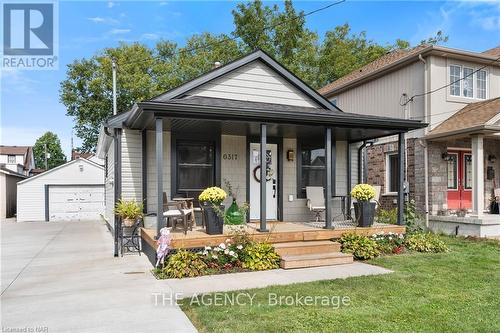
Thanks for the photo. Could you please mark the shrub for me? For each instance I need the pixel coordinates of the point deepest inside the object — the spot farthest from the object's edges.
(389, 242)
(360, 246)
(260, 256)
(363, 192)
(425, 242)
(185, 264)
(223, 254)
(387, 216)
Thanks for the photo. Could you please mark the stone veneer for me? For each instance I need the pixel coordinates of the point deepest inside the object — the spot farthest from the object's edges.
(437, 171)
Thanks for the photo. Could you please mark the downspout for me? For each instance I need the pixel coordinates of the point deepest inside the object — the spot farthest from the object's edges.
(363, 161)
(360, 162)
(424, 143)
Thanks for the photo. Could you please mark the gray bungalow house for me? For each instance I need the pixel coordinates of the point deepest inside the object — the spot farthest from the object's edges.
(217, 126)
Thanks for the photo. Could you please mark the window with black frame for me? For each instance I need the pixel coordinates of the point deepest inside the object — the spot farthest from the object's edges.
(195, 167)
(311, 167)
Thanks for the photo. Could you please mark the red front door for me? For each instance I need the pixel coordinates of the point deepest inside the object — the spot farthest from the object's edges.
(459, 179)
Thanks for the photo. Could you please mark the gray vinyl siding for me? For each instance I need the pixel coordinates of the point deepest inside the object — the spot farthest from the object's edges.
(257, 83)
(109, 185)
(234, 169)
(151, 168)
(131, 165)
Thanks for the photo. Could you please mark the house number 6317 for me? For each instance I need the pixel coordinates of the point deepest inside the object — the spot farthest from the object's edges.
(230, 156)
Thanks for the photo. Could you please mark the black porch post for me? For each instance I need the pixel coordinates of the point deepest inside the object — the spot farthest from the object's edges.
(159, 173)
(401, 177)
(144, 171)
(348, 181)
(263, 175)
(328, 182)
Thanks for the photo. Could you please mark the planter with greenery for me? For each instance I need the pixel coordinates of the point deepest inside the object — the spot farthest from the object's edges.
(129, 211)
(364, 208)
(212, 199)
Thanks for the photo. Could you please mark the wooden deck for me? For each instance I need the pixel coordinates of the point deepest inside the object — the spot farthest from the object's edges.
(279, 232)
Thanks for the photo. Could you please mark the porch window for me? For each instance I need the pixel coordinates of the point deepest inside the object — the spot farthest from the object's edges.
(452, 172)
(312, 167)
(195, 166)
(392, 174)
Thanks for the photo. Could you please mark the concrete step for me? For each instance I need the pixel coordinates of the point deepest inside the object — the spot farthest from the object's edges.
(308, 247)
(316, 259)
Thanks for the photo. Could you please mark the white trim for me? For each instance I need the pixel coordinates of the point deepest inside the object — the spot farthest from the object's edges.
(456, 173)
(458, 148)
(387, 183)
(461, 97)
(60, 167)
(464, 173)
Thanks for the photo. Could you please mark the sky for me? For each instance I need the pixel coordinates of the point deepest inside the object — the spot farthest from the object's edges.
(30, 104)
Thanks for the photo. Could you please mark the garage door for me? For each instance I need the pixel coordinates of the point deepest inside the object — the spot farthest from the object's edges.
(75, 202)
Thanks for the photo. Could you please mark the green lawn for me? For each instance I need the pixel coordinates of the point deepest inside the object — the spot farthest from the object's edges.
(457, 291)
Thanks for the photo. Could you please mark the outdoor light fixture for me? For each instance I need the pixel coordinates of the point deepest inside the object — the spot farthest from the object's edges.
(492, 158)
(290, 155)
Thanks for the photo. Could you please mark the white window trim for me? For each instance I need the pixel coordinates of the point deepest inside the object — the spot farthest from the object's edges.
(464, 173)
(15, 159)
(474, 82)
(456, 173)
(387, 176)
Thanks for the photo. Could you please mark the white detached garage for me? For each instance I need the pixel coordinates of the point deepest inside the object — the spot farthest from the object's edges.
(73, 191)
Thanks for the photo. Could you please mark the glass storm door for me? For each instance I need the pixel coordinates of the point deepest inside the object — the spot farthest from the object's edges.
(271, 181)
(459, 178)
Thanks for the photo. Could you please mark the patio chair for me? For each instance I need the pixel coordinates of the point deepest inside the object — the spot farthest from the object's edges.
(175, 212)
(315, 201)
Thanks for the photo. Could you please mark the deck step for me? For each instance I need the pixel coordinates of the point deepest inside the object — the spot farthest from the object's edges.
(309, 247)
(316, 259)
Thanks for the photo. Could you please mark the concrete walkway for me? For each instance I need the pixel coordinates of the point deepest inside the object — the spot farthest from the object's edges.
(63, 276)
(248, 280)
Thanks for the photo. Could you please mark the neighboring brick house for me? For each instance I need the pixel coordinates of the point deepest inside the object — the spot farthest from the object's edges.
(462, 142)
(19, 159)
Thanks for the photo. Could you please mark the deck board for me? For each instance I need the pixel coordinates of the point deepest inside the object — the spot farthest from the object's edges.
(279, 232)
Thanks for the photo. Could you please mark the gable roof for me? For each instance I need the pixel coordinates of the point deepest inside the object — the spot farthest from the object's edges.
(254, 56)
(398, 58)
(61, 167)
(486, 113)
(26, 151)
(5, 170)
(494, 51)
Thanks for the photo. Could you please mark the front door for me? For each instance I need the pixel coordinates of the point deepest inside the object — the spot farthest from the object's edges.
(271, 181)
(459, 180)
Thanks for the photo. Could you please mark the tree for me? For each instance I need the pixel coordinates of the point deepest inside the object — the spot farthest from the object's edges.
(144, 72)
(53, 144)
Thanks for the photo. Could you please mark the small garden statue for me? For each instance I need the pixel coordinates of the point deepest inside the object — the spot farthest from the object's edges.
(163, 245)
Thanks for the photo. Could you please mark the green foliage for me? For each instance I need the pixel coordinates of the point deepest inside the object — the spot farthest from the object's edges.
(388, 216)
(184, 264)
(360, 246)
(260, 256)
(425, 242)
(129, 209)
(145, 72)
(53, 143)
(412, 217)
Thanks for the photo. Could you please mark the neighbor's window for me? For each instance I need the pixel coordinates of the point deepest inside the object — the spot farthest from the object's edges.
(468, 82)
(195, 166)
(11, 159)
(452, 172)
(392, 173)
(454, 77)
(481, 84)
(311, 167)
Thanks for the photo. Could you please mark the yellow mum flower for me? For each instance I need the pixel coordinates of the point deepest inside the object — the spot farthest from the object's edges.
(214, 195)
(363, 192)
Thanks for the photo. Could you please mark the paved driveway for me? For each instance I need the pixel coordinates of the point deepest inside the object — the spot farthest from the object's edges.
(63, 277)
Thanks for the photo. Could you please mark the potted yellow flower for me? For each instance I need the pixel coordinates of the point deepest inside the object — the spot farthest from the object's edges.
(364, 208)
(213, 210)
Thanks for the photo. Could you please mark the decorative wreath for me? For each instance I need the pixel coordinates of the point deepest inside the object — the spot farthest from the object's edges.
(269, 174)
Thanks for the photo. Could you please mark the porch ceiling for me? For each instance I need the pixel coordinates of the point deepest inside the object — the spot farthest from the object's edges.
(202, 115)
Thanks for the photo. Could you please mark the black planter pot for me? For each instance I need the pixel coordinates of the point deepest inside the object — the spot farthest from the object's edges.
(365, 212)
(213, 222)
(494, 209)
